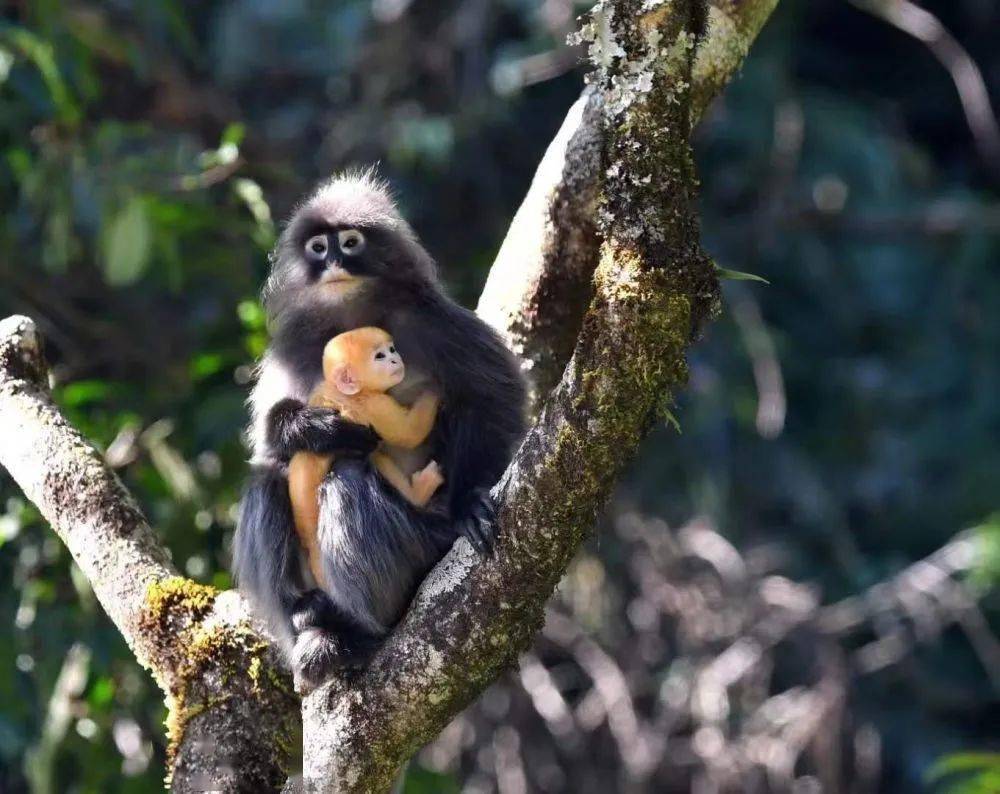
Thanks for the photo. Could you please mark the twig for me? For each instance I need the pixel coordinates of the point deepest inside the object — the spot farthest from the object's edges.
(965, 74)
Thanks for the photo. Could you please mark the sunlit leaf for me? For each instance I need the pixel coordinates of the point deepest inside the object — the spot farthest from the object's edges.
(234, 134)
(736, 275)
(251, 315)
(206, 364)
(985, 570)
(127, 244)
(966, 773)
(102, 692)
(83, 392)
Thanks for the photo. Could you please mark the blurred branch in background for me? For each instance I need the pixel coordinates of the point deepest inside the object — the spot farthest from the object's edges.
(760, 687)
(941, 218)
(965, 74)
(771, 401)
(41, 759)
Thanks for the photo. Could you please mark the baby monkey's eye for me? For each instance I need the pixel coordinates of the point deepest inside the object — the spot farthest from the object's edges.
(392, 349)
(379, 356)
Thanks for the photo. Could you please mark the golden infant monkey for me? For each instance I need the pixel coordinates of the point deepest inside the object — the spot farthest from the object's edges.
(359, 367)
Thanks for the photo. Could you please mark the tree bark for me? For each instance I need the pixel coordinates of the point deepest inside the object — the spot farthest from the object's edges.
(653, 287)
(542, 280)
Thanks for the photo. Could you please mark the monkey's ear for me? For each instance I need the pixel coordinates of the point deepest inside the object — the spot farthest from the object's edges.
(344, 380)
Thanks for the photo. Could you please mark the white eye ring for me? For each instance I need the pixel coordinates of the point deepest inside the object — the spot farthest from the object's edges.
(351, 242)
(316, 247)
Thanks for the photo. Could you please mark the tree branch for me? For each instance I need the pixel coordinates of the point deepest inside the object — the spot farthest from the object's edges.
(189, 636)
(542, 279)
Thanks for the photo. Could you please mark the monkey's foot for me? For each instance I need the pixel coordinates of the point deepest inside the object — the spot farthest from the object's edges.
(326, 642)
(480, 526)
(316, 657)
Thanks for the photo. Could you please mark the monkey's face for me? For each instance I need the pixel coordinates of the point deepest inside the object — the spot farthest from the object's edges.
(347, 236)
(335, 259)
(385, 367)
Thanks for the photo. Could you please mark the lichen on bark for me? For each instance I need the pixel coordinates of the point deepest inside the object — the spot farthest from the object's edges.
(541, 282)
(218, 671)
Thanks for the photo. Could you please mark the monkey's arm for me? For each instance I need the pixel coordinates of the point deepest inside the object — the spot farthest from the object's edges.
(483, 398)
(402, 427)
(415, 491)
(293, 427)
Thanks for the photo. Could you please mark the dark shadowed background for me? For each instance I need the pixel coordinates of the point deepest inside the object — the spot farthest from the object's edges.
(841, 424)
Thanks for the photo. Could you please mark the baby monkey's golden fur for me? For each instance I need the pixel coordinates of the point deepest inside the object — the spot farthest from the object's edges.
(359, 366)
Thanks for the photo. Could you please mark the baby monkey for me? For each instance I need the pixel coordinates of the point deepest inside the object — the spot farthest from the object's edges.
(359, 367)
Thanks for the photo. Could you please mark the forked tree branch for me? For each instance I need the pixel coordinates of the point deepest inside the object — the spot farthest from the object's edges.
(542, 280)
(631, 305)
(225, 729)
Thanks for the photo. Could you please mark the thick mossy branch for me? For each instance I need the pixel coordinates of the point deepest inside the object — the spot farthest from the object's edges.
(224, 682)
(541, 281)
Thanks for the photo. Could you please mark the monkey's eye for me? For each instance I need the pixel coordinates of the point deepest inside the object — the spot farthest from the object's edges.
(392, 349)
(351, 241)
(316, 247)
(379, 356)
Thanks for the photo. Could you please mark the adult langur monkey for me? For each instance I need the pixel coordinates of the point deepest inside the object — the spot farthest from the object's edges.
(347, 259)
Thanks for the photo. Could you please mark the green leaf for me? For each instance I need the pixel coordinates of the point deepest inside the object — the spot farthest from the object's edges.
(425, 781)
(672, 420)
(963, 763)
(102, 692)
(234, 133)
(127, 244)
(42, 55)
(251, 314)
(986, 567)
(84, 392)
(736, 275)
(205, 365)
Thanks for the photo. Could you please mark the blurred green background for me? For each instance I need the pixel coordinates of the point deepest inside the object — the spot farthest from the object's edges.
(843, 419)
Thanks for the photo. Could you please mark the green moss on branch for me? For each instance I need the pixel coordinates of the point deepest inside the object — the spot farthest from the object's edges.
(220, 679)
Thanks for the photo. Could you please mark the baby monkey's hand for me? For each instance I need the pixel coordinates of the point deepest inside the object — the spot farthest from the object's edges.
(426, 481)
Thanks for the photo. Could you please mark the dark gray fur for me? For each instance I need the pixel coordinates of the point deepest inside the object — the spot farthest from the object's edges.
(376, 547)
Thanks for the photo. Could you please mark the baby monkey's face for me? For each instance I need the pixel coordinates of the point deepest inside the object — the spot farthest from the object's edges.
(385, 367)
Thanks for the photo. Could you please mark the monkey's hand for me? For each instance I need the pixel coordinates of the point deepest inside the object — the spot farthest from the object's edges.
(477, 520)
(294, 427)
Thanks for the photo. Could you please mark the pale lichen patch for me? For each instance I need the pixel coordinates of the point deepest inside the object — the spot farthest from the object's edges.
(449, 573)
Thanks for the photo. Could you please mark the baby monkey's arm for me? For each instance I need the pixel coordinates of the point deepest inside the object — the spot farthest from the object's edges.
(417, 490)
(399, 426)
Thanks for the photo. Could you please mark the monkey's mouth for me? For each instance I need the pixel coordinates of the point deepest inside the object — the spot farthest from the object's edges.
(336, 276)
